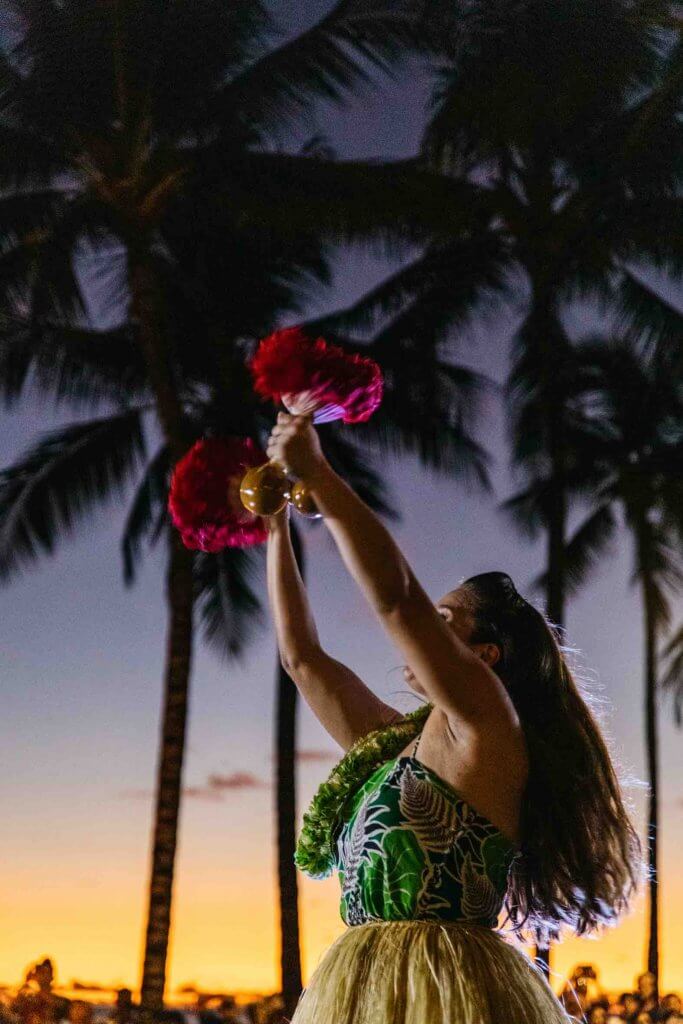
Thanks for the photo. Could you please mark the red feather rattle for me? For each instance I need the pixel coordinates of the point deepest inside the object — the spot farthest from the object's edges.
(204, 502)
(310, 378)
(222, 486)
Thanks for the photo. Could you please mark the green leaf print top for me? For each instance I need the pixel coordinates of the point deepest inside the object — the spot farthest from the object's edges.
(409, 847)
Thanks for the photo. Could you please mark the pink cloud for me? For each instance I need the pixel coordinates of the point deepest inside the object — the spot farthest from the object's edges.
(238, 780)
(313, 755)
(201, 793)
(317, 755)
(213, 789)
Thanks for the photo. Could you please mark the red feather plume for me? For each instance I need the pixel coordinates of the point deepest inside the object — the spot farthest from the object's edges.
(313, 376)
(204, 501)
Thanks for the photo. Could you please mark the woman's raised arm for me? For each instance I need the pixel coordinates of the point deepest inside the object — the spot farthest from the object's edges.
(341, 701)
(453, 676)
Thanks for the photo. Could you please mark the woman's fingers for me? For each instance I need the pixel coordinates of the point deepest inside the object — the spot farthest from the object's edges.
(287, 437)
(283, 428)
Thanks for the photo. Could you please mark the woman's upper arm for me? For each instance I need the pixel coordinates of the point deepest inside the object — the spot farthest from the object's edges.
(453, 676)
(340, 700)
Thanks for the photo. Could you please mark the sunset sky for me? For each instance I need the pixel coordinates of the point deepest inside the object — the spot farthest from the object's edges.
(80, 674)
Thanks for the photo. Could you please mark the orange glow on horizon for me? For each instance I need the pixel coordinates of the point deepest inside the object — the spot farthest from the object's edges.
(225, 939)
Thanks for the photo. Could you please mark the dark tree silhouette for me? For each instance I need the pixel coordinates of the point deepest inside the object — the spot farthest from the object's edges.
(126, 127)
(575, 181)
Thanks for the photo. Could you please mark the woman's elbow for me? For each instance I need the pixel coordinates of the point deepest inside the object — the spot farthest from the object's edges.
(288, 662)
(295, 660)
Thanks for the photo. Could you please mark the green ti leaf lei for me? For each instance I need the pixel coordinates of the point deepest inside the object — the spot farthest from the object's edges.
(315, 854)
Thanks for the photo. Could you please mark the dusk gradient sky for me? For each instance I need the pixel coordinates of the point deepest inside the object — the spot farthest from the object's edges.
(80, 672)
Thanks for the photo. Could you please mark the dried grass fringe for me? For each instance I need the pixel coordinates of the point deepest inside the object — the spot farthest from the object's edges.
(426, 972)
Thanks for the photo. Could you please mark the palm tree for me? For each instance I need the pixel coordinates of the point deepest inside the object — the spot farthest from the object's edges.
(673, 673)
(62, 478)
(57, 482)
(627, 457)
(575, 177)
(124, 128)
(637, 419)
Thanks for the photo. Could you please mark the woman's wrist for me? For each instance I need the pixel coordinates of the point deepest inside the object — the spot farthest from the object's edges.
(317, 473)
(278, 524)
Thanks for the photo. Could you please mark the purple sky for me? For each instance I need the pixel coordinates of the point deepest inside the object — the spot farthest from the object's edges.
(81, 656)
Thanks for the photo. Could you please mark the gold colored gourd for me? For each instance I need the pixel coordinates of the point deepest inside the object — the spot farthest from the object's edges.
(303, 502)
(266, 489)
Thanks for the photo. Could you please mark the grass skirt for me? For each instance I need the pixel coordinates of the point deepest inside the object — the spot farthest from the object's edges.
(426, 972)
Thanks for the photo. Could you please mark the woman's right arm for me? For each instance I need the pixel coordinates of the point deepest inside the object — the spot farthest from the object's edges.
(341, 701)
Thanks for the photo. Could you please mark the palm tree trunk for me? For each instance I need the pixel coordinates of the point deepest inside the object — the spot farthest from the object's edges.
(290, 955)
(553, 412)
(169, 777)
(146, 311)
(555, 593)
(652, 751)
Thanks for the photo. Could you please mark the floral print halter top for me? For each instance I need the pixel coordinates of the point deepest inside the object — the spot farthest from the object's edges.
(409, 847)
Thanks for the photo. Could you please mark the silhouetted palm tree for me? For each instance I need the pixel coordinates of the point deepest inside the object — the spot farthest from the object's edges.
(636, 443)
(626, 461)
(60, 481)
(122, 129)
(575, 179)
(672, 679)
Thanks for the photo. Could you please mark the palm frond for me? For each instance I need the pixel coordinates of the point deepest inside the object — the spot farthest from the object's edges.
(672, 677)
(585, 549)
(58, 482)
(528, 510)
(648, 318)
(228, 607)
(644, 234)
(327, 61)
(28, 159)
(509, 67)
(398, 203)
(197, 48)
(434, 296)
(10, 79)
(649, 134)
(386, 299)
(68, 363)
(147, 516)
(431, 409)
(37, 271)
(29, 212)
(404, 425)
(670, 490)
(67, 54)
(659, 564)
(355, 466)
(211, 260)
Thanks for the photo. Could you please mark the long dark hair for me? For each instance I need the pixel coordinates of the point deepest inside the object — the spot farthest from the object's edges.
(580, 858)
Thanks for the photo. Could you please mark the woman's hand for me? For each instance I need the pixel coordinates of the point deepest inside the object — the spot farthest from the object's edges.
(294, 444)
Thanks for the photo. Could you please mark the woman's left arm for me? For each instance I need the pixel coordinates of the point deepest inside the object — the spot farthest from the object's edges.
(454, 678)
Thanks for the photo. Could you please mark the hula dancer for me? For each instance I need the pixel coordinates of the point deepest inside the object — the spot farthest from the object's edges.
(497, 794)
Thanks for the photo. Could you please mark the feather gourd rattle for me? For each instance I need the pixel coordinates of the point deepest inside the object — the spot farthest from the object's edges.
(223, 486)
(311, 378)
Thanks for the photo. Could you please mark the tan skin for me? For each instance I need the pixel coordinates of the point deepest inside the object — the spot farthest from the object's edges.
(472, 738)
